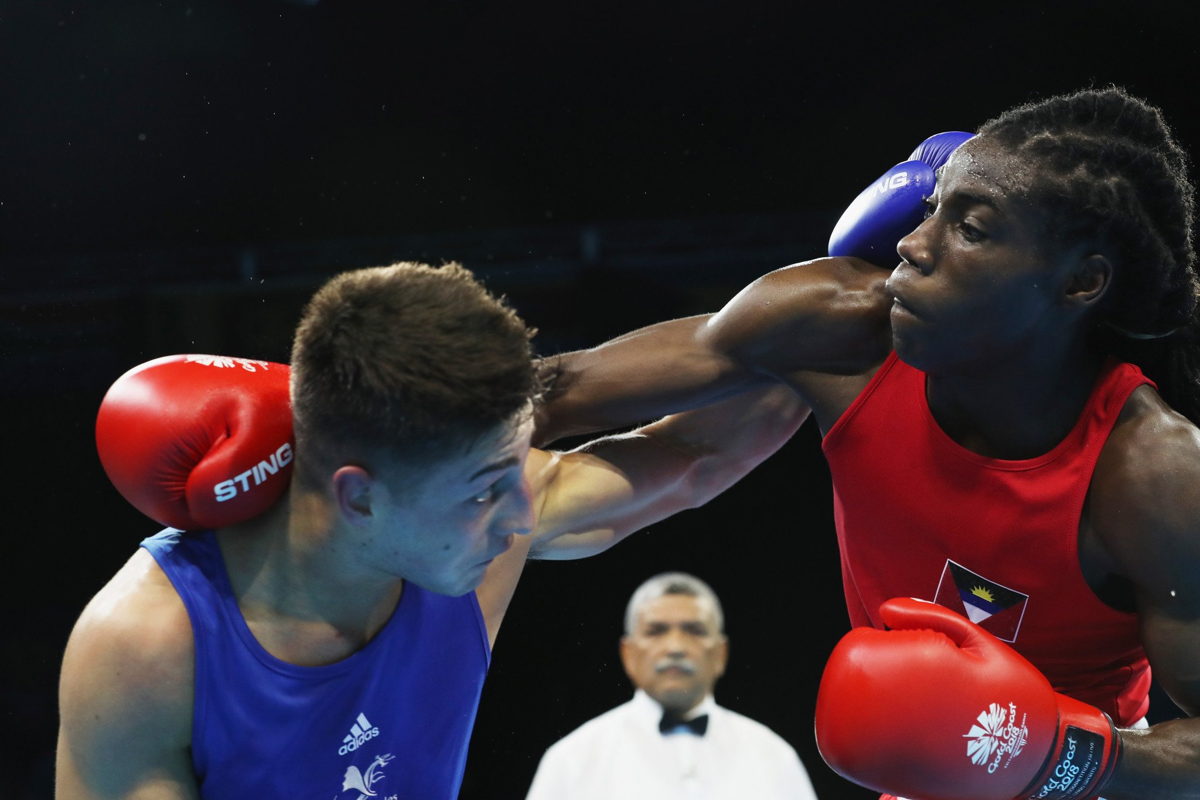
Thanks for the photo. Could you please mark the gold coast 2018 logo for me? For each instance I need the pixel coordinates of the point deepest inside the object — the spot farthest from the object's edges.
(996, 738)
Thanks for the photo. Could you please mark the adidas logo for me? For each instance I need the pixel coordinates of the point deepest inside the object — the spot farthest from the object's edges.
(361, 732)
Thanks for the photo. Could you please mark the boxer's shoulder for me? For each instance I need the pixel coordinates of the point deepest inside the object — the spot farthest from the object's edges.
(1150, 448)
(1142, 501)
(135, 636)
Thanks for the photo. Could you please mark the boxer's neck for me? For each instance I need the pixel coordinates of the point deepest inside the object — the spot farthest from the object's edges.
(1018, 408)
(304, 599)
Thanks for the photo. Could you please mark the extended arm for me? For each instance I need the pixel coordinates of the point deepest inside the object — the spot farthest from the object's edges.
(587, 500)
(826, 315)
(592, 497)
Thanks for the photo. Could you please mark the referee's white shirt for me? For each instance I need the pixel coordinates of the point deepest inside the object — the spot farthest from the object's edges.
(620, 755)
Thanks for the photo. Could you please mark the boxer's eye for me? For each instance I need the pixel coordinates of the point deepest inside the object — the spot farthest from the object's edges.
(488, 495)
(970, 232)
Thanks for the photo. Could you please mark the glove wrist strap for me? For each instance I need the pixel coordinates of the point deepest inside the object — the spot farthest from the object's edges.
(1085, 752)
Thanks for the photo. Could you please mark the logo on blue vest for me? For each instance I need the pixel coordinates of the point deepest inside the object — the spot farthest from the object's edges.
(361, 732)
(363, 783)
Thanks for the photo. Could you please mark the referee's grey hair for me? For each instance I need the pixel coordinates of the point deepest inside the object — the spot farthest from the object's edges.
(672, 583)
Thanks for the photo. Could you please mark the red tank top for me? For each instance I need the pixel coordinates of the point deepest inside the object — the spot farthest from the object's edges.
(919, 515)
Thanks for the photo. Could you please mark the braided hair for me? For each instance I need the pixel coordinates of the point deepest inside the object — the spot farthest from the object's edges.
(1109, 169)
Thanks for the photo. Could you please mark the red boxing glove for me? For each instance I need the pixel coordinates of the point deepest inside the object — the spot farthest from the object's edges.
(936, 708)
(197, 441)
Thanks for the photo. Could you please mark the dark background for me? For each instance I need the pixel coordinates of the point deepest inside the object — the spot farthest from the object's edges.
(179, 177)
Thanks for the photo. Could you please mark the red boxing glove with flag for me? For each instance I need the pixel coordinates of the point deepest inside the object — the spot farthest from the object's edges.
(196, 441)
(936, 708)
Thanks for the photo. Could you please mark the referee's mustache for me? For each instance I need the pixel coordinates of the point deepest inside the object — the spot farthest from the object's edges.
(684, 664)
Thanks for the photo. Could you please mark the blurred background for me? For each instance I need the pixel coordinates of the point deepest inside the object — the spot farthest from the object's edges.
(180, 176)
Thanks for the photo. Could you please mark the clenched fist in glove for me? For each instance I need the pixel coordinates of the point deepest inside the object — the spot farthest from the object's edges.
(198, 441)
(936, 708)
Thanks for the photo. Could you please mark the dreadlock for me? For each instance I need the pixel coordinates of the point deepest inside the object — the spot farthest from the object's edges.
(1109, 169)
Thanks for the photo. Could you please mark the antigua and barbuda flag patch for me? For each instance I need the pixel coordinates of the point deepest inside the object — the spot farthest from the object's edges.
(995, 608)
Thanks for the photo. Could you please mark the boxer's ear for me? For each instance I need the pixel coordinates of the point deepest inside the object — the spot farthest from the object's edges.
(353, 490)
(1088, 281)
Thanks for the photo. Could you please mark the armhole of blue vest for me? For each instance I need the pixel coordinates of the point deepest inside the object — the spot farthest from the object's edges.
(847, 415)
(199, 671)
(481, 626)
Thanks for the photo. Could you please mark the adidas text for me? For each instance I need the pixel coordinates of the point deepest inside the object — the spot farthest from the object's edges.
(361, 732)
(358, 741)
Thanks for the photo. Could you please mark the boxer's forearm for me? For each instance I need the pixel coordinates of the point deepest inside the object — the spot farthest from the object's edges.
(642, 375)
(594, 496)
(1160, 762)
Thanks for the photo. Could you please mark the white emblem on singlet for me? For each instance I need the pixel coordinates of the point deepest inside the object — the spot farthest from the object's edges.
(363, 783)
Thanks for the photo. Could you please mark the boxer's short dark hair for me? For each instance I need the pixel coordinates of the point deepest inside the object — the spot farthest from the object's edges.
(414, 359)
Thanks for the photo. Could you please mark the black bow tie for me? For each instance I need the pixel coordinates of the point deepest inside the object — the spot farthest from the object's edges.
(673, 722)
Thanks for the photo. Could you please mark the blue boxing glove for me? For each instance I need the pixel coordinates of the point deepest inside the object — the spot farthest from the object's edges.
(893, 206)
(936, 150)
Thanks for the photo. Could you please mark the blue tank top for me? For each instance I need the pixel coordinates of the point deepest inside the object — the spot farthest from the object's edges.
(391, 721)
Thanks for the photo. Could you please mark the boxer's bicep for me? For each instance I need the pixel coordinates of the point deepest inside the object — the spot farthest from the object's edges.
(1164, 760)
(829, 314)
(1168, 595)
(1152, 526)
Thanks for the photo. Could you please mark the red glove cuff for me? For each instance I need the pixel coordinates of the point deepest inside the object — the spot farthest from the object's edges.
(1084, 755)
